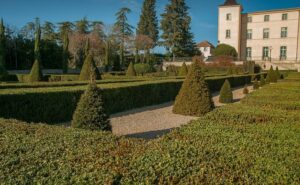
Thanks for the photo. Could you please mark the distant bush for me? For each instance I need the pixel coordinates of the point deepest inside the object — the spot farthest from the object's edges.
(272, 77)
(172, 70)
(255, 84)
(226, 95)
(225, 50)
(183, 70)
(278, 75)
(142, 68)
(262, 80)
(89, 69)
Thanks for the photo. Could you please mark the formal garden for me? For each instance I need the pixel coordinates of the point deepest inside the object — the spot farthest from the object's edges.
(57, 127)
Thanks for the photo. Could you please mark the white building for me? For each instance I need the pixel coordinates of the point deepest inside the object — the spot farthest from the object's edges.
(269, 37)
(206, 48)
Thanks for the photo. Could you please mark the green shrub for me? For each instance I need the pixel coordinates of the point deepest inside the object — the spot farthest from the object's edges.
(130, 70)
(194, 97)
(63, 78)
(226, 95)
(278, 75)
(36, 72)
(142, 68)
(230, 71)
(255, 84)
(173, 70)
(262, 80)
(246, 90)
(90, 112)
(225, 50)
(183, 70)
(89, 69)
(271, 78)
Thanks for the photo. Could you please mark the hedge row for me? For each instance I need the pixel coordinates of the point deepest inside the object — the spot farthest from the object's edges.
(236, 144)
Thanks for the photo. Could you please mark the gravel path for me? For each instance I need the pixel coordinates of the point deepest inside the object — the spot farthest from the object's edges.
(154, 121)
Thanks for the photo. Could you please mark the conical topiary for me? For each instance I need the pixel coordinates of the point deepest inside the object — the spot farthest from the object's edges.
(226, 95)
(255, 84)
(89, 67)
(36, 72)
(272, 78)
(130, 70)
(246, 90)
(183, 70)
(262, 80)
(90, 112)
(194, 98)
(278, 75)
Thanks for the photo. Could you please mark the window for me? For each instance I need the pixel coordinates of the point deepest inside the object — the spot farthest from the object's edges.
(228, 17)
(228, 34)
(265, 53)
(249, 19)
(205, 49)
(266, 33)
(267, 18)
(283, 51)
(249, 53)
(249, 34)
(284, 32)
(284, 16)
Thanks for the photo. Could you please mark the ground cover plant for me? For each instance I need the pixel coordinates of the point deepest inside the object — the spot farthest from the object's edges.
(238, 143)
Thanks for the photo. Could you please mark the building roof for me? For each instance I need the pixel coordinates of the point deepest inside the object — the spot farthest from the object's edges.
(275, 10)
(205, 44)
(230, 3)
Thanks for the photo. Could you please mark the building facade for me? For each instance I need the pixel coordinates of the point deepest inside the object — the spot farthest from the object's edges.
(206, 48)
(267, 37)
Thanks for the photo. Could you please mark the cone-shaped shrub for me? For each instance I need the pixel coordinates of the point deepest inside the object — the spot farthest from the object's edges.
(36, 72)
(194, 98)
(262, 80)
(226, 95)
(130, 70)
(88, 68)
(183, 70)
(90, 113)
(246, 90)
(255, 84)
(268, 81)
(278, 75)
(272, 76)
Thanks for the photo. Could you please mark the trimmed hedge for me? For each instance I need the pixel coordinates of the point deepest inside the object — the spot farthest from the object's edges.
(57, 104)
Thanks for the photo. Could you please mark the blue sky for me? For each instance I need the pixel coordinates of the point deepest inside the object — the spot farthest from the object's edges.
(203, 12)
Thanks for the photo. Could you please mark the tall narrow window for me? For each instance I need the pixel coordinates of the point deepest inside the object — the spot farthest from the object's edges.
(284, 32)
(249, 34)
(283, 51)
(266, 33)
(265, 53)
(249, 19)
(267, 18)
(284, 16)
(228, 17)
(248, 53)
(228, 34)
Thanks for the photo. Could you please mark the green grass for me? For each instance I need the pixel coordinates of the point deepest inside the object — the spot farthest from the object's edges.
(254, 142)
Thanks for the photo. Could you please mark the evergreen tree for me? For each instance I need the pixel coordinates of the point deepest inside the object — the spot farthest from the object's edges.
(175, 24)
(278, 75)
(262, 80)
(48, 31)
(65, 54)
(65, 28)
(3, 72)
(89, 69)
(87, 48)
(36, 71)
(183, 70)
(194, 98)
(124, 30)
(130, 70)
(272, 75)
(226, 95)
(90, 112)
(82, 26)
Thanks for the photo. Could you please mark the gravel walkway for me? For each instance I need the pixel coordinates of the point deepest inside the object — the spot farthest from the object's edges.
(154, 121)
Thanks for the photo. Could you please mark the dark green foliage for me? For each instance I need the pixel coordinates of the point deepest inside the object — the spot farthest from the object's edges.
(89, 69)
(175, 24)
(255, 84)
(278, 75)
(246, 90)
(172, 70)
(230, 71)
(148, 24)
(183, 70)
(65, 56)
(226, 95)
(3, 72)
(225, 50)
(249, 67)
(141, 68)
(130, 70)
(262, 80)
(271, 78)
(36, 72)
(90, 112)
(194, 97)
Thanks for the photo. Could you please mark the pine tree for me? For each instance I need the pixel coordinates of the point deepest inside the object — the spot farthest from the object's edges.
(82, 26)
(183, 70)
(3, 72)
(130, 70)
(194, 98)
(89, 69)
(90, 112)
(124, 30)
(87, 48)
(36, 71)
(148, 24)
(49, 32)
(226, 95)
(262, 80)
(65, 54)
(175, 24)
